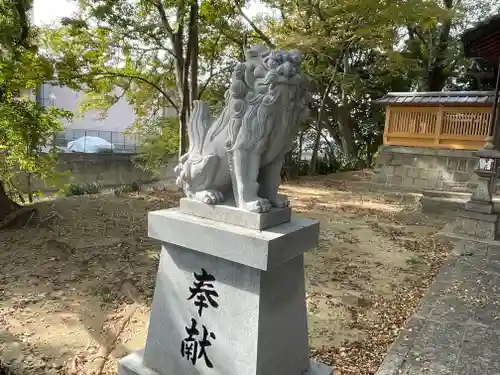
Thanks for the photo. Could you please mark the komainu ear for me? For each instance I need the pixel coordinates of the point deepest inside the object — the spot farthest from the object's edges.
(255, 52)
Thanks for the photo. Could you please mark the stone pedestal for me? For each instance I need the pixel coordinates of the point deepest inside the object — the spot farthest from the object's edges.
(229, 300)
(479, 220)
(481, 199)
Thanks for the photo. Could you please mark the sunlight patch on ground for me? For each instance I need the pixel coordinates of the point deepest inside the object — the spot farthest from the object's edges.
(369, 205)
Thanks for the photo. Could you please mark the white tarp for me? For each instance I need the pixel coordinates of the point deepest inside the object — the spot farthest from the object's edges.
(90, 145)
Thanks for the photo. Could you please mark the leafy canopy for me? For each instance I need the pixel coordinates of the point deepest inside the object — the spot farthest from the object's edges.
(25, 126)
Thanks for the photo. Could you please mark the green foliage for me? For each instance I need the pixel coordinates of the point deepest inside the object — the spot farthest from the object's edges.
(159, 144)
(152, 54)
(26, 128)
(159, 54)
(357, 50)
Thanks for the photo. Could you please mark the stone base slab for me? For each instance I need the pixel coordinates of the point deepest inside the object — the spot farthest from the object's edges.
(476, 225)
(318, 368)
(133, 364)
(228, 213)
(446, 234)
(479, 207)
(449, 206)
(259, 249)
(453, 203)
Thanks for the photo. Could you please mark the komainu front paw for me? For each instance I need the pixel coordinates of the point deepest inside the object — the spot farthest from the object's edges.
(279, 201)
(260, 205)
(209, 196)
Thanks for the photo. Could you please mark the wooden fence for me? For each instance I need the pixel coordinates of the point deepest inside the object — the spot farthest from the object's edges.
(463, 128)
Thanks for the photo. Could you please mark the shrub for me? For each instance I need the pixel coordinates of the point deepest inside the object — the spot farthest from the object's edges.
(82, 189)
(136, 186)
(128, 188)
(92, 188)
(159, 143)
(74, 189)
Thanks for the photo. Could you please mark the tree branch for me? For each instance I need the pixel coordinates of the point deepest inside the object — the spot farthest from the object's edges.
(102, 75)
(211, 69)
(330, 85)
(310, 126)
(215, 74)
(23, 21)
(164, 19)
(318, 12)
(161, 45)
(436, 76)
(232, 38)
(419, 35)
(259, 32)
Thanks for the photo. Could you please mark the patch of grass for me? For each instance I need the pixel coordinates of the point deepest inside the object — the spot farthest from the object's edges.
(413, 261)
(106, 293)
(82, 189)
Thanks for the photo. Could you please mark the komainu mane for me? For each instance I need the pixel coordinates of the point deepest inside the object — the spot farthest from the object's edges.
(241, 153)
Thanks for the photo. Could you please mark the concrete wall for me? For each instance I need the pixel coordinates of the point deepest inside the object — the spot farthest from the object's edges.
(107, 169)
(426, 168)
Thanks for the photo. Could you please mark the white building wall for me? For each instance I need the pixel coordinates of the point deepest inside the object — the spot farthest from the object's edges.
(119, 117)
(111, 128)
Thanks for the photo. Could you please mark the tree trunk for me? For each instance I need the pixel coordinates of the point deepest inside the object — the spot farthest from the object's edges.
(182, 63)
(11, 212)
(437, 77)
(287, 166)
(193, 43)
(299, 156)
(345, 121)
(345, 128)
(314, 156)
(7, 206)
(369, 152)
(186, 70)
(183, 118)
(186, 105)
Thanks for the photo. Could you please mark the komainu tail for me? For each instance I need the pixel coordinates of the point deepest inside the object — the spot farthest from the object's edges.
(198, 126)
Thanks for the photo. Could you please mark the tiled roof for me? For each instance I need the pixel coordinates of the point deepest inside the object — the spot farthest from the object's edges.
(438, 97)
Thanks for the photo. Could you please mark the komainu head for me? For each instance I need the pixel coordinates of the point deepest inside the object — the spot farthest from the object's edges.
(264, 67)
(268, 95)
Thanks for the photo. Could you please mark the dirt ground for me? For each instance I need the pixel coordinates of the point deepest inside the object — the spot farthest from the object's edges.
(77, 282)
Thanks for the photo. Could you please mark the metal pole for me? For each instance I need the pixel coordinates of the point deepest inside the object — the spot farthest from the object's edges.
(493, 128)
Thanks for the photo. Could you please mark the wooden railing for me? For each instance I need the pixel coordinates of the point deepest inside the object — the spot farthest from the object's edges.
(462, 128)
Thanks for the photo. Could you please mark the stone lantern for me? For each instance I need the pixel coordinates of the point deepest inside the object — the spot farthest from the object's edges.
(486, 170)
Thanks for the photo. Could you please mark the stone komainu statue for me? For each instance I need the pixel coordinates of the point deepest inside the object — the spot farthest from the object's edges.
(241, 153)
